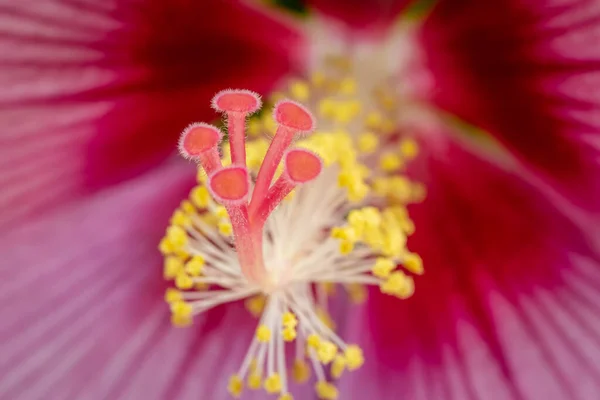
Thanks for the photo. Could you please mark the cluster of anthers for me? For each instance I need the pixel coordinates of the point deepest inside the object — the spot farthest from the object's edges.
(279, 226)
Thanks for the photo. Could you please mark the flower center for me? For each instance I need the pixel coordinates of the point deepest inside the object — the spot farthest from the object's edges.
(280, 223)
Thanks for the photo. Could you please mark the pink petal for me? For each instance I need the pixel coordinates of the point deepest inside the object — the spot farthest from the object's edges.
(508, 306)
(94, 93)
(361, 15)
(529, 73)
(83, 315)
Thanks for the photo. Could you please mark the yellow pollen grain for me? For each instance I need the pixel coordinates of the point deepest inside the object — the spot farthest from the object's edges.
(399, 285)
(254, 381)
(409, 148)
(177, 236)
(348, 86)
(313, 341)
(263, 334)
(326, 391)
(273, 384)
(383, 267)
(354, 357)
(300, 371)
(289, 333)
(286, 396)
(374, 120)
(181, 321)
(255, 305)
(172, 267)
(337, 366)
(326, 351)
(235, 386)
(195, 266)
(367, 142)
(390, 162)
(289, 320)
(225, 228)
(300, 90)
(173, 296)
(413, 263)
(183, 281)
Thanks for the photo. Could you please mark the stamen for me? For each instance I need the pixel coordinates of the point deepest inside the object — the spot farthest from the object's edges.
(237, 104)
(292, 118)
(346, 224)
(200, 141)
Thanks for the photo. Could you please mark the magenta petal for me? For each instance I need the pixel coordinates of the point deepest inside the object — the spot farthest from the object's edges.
(528, 73)
(359, 14)
(508, 306)
(94, 93)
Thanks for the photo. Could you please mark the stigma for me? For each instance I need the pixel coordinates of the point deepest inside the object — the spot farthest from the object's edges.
(278, 223)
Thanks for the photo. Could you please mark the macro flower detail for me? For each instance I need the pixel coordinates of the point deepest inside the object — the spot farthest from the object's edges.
(321, 209)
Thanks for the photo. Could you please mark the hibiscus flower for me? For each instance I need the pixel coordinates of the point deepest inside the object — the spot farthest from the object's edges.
(506, 306)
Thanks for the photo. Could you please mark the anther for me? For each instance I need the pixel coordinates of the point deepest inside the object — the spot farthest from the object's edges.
(199, 142)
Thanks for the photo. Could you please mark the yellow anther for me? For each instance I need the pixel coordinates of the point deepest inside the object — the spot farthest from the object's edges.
(180, 321)
(165, 247)
(348, 86)
(326, 351)
(221, 212)
(374, 120)
(326, 391)
(173, 296)
(346, 247)
(413, 263)
(194, 266)
(399, 285)
(367, 142)
(254, 381)
(273, 383)
(383, 267)
(354, 357)
(187, 207)
(180, 218)
(177, 236)
(236, 385)
(346, 233)
(337, 366)
(390, 162)
(327, 107)
(225, 228)
(181, 308)
(300, 90)
(409, 148)
(172, 267)
(286, 396)
(357, 292)
(263, 334)
(200, 196)
(300, 371)
(255, 305)
(289, 320)
(313, 341)
(358, 192)
(289, 333)
(183, 281)
(318, 79)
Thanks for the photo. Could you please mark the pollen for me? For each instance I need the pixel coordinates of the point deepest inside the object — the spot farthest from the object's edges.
(285, 210)
(263, 334)
(236, 385)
